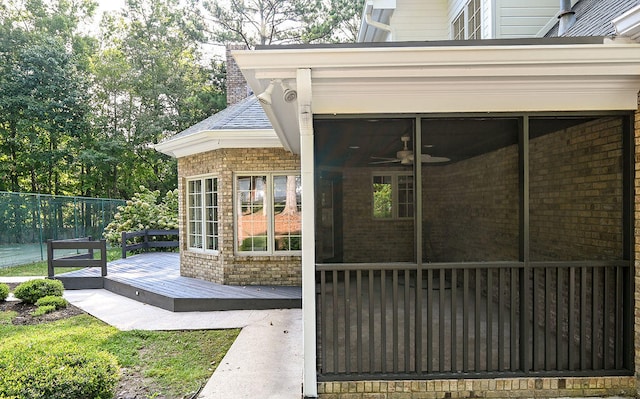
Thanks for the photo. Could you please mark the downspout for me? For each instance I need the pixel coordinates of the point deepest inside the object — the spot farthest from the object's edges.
(567, 17)
(368, 19)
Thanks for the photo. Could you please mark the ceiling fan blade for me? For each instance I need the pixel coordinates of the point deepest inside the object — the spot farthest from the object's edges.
(391, 160)
(384, 158)
(426, 158)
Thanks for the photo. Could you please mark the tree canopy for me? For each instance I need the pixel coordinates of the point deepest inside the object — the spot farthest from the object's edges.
(82, 107)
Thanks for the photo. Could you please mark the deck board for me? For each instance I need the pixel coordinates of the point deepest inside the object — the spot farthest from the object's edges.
(155, 278)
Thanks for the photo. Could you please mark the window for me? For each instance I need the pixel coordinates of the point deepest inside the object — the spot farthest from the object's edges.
(392, 195)
(268, 213)
(203, 228)
(468, 24)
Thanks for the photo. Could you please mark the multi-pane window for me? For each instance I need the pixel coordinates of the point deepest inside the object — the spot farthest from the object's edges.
(468, 24)
(203, 214)
(268, 213)
(392, 195)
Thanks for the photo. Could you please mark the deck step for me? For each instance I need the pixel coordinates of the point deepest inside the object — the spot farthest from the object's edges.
(154, 279)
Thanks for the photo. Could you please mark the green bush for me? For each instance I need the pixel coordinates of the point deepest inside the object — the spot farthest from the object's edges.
(42, 310)
(58, 371)
(144, 211)
(4, 291)
(32, 290)
(50, 300)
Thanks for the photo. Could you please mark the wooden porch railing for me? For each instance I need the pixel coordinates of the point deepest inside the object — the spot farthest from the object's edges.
(80, 260)
(481, 320)
(148, 243)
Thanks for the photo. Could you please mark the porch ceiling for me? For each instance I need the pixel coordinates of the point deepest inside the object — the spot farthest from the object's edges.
(446, 79)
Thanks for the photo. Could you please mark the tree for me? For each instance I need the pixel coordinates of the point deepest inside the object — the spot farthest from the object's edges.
(152, 82)
(263, 22)
(43, 92)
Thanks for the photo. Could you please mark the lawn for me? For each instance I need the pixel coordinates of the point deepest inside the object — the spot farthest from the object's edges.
(40, 268)
(167, 364)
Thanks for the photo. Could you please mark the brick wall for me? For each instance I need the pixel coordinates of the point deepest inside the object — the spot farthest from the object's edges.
(226, 267)
(237, 88)
(576, 193)
(365, 238)
(471, 210)
(636, 222)
(493, 388)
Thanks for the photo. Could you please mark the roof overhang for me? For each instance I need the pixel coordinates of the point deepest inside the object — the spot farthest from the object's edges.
(628, 24)
(209, 140)
(423, 78)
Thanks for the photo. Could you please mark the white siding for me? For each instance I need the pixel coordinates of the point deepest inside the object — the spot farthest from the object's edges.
(523, 18)
(420, 20)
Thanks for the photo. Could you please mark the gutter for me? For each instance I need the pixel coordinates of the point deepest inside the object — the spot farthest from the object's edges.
(369, 21)
(628, 24)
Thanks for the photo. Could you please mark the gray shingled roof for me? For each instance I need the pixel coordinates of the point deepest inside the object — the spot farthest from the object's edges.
(593, 17)
(244, 115)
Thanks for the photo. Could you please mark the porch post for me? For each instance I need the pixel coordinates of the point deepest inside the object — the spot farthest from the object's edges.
(305, 122)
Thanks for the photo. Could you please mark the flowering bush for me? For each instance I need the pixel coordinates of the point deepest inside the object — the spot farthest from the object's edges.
(142, 212)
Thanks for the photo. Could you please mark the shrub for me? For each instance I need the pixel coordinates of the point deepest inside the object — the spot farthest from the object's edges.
(144, 211)
(58, 371)
(50, 300)
(42, 310)
(4, 291)
(32, 290)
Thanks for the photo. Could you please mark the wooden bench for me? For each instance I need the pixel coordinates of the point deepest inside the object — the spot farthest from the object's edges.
(146, 243)
(80, 260)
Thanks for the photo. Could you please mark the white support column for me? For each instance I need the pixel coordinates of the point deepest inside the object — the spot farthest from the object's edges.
(305, 123)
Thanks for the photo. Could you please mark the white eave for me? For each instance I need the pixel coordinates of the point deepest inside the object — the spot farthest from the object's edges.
(448, 79)
(628, 24)
(209, 140)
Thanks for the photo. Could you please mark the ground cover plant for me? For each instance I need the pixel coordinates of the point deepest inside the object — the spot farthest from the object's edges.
(149, 364)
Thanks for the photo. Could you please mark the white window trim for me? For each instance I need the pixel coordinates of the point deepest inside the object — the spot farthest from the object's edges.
(394, 195)
(465, 14)
(268, 204)
(203, 232)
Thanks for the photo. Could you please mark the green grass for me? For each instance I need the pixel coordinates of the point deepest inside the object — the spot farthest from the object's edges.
(173, 363)
(40, 268)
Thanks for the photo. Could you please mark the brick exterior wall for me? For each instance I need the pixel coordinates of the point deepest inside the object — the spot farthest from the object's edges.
(493, 388)
(365, 238)
(227, 267)
(636, 222)
(237, 88)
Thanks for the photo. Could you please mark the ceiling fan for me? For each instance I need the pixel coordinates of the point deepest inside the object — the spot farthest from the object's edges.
(405, 156)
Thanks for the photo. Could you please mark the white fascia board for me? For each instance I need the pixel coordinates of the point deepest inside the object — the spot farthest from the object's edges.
(628, 24)
(451, 79)
(209, 140)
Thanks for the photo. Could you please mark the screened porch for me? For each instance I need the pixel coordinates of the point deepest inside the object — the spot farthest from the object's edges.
(473, 245)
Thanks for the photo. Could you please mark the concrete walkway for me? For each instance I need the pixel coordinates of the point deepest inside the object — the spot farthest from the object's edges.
(265, 361)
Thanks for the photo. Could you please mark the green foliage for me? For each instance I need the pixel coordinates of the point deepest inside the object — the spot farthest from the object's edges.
(144, 211)
(382, 200)
(260, 22)
(32, 290)
(172, 362)
(42, 310)
(4, 291)
(63, 371)
(57, 302)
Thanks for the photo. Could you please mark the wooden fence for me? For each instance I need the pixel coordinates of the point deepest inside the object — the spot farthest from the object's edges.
(79, 260)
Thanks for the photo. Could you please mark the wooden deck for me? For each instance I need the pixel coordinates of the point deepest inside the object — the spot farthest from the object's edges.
(154, 278)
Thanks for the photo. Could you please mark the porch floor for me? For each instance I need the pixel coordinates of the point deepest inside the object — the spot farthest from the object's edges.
(154, 278)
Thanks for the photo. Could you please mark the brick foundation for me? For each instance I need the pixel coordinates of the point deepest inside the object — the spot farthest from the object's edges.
(493, 388)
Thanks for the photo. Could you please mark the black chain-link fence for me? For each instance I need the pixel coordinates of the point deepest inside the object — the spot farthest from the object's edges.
(27, 221)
